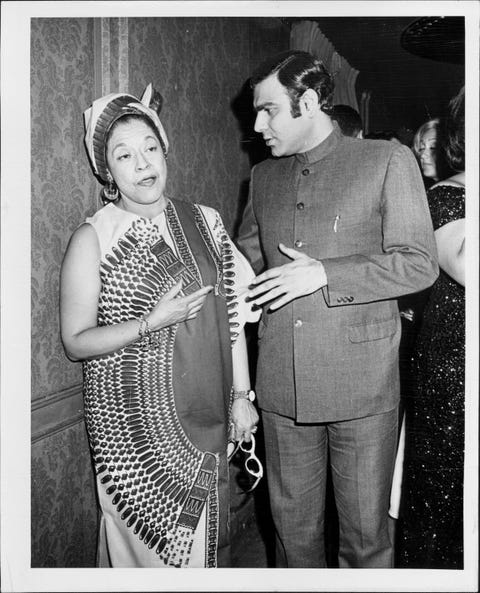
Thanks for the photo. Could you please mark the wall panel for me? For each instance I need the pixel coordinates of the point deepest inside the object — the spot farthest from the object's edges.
(63, 189)
(63, 193)
(64, 510)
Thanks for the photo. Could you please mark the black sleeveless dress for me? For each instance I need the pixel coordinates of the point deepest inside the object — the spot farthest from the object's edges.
(430, 531)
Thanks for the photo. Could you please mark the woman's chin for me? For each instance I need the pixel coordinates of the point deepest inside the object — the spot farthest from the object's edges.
(429, 173)
(145, 200)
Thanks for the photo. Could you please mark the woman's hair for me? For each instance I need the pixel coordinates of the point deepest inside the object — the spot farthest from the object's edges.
(432, 124)
(454, 132)
(298, 71)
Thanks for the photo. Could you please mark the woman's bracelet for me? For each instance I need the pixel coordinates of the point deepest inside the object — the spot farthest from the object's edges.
(143, 329)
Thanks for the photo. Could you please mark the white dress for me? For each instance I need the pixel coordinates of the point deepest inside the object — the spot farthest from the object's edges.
(157, 410)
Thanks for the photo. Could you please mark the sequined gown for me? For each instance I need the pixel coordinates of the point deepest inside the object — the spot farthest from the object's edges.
(156, 410)
(430, 532)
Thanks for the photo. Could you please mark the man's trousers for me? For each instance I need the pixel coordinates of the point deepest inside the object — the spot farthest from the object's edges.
(362, 455)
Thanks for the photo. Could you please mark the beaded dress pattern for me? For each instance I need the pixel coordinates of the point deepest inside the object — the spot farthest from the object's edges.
(431, 534)
(154, 484)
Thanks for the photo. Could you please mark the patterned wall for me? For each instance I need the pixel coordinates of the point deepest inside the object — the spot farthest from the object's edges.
(63, 189)
(62, 185)
(64, 509)
(198, 79)
(199, 65)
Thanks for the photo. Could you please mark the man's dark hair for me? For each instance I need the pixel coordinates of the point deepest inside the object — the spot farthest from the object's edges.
(298, 71)
(348, 119)
(382, 135)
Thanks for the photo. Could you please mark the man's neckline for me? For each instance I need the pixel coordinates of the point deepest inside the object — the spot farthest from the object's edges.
(321, 150)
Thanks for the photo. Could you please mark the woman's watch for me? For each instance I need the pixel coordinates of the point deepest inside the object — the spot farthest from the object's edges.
(247, 394)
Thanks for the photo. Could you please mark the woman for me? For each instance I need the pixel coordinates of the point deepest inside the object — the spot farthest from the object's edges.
(431, 534)
(425, 148)
(151, 301)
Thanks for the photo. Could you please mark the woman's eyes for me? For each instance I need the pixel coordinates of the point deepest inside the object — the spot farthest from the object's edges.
(126, 155)
(424, 147)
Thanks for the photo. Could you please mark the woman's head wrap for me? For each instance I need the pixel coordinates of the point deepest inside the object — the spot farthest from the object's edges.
(105, 111)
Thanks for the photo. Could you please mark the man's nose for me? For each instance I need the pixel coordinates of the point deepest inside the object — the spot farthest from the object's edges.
(260, 123)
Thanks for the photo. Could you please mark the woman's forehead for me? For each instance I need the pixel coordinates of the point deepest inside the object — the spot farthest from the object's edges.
(132, 129)
(429, 134)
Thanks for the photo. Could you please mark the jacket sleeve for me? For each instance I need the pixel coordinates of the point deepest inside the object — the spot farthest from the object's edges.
(248, 237)
(408, 260)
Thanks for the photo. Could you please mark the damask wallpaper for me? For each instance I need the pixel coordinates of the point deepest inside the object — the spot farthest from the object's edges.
(63, 192)
(200, 65)
(64, 509)
(63, 188)
(198, 77)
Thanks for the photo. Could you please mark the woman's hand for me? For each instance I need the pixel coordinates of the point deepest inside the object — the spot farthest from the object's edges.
(172, 309)
(244, 418)
(79, 295)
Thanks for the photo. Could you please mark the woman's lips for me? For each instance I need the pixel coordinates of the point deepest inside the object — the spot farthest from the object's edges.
(147, 181)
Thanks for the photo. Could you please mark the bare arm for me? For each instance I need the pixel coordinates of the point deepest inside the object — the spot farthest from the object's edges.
(79, 294)
(450, 240)
(244, 414)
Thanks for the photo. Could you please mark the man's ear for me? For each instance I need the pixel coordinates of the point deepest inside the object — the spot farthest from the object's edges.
(309, 100)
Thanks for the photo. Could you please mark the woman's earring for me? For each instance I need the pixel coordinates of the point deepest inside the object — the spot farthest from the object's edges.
(110, 190)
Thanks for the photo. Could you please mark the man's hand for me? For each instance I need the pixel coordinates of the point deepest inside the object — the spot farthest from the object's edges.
(304, 275)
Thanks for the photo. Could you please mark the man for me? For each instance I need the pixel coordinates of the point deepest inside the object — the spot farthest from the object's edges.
(343, 228)
(348, 120)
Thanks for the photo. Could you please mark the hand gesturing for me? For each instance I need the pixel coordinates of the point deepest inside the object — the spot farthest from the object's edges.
(172, 309)
(303, 275)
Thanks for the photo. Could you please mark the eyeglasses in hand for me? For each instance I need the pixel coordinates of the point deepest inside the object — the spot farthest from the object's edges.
(253, 464)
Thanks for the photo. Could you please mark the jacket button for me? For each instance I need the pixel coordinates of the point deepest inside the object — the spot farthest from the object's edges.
(300, 206)
(298, 243)
(306, 172)
(298, 323)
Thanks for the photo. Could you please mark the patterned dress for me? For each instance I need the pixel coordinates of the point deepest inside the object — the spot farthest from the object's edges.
(431, 513)
(157, 410)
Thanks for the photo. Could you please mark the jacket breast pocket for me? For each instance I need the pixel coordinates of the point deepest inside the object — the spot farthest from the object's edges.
(376, 330)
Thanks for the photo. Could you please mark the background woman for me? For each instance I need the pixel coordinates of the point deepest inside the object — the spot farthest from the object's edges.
(151, 301)
(425, 143)
(431, 532)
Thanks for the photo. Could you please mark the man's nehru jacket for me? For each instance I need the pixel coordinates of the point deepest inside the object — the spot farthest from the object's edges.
(359, 206)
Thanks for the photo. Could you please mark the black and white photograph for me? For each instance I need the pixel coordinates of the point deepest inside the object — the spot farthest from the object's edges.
(239, 296)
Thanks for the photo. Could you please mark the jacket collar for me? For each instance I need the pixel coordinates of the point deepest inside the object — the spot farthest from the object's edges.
(321, 150)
